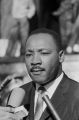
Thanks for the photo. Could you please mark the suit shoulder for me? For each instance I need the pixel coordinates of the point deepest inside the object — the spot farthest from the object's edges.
(71, 81)
(27, 86)
(74, 87)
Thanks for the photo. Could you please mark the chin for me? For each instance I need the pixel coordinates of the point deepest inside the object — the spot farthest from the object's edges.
(39, 81)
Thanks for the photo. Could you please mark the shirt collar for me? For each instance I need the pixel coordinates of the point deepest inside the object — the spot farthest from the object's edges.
(50, 88)
(53, 83)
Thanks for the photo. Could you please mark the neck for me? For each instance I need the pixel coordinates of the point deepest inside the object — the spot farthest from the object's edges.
(59, 71)
(54, 77)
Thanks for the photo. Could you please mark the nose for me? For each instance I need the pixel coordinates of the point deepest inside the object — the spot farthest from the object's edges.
(36, 60)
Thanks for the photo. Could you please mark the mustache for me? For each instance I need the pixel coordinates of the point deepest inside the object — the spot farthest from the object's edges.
(37, 68)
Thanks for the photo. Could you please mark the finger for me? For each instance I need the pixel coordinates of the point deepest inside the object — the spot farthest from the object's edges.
(15, 117)
(7, 109)
(7, 116)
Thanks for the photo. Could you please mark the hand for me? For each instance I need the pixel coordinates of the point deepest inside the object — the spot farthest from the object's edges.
(7, 113)
(21, 112)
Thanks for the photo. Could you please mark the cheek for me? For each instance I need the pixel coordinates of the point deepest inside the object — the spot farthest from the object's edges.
(50, 64)
(27, 63)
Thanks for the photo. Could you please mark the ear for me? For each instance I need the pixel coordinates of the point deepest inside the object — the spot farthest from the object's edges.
(61, 56)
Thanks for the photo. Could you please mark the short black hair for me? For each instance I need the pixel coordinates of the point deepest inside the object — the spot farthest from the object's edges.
(54, 35)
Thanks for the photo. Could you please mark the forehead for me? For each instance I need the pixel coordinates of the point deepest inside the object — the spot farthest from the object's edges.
(41, 40)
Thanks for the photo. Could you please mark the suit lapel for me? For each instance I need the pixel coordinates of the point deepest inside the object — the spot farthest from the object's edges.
(31, 111)
(57, 99)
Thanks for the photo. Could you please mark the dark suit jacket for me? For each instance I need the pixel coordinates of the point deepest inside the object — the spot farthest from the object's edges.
(65, 100)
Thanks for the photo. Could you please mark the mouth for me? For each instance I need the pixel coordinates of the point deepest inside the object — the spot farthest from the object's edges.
(37, 70)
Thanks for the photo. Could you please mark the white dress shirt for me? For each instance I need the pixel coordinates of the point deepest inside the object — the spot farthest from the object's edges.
(50, 89)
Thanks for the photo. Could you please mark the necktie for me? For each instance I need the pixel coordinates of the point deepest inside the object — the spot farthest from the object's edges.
(39, 105)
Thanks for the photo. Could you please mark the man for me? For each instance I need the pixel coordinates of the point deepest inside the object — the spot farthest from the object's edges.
(43, 58)
(15, 15)
(22, 11)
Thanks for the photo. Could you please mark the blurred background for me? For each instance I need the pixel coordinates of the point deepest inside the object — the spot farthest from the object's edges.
(20, 17)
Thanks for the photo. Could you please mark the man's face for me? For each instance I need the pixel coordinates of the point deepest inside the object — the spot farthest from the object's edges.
(42, 59)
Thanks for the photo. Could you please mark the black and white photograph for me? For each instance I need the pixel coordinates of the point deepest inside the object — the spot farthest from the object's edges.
(39, 59)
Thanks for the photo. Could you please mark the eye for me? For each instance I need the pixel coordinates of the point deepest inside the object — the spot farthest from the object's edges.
(28, 54)
(45, 53)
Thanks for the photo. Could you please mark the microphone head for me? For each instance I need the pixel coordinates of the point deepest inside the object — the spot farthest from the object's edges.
(16, 97)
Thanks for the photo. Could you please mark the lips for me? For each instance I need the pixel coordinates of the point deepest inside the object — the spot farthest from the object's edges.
(37, 69)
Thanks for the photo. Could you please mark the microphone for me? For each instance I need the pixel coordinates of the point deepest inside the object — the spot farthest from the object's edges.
(16, 97)
(15, 101)
(50, 106)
